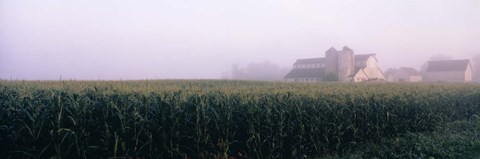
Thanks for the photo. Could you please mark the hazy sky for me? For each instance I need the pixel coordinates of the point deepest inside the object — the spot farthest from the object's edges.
(127, 39)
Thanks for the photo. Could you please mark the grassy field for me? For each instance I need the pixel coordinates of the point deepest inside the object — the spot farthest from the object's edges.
(222, 119)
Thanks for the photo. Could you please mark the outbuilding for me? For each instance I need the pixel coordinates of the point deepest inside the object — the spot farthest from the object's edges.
(449, 71)
(407, 74)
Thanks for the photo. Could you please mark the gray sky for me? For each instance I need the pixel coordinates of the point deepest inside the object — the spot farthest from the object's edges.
(126, 39)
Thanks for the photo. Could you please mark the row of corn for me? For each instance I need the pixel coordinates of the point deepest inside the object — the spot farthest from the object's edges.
(217, 119)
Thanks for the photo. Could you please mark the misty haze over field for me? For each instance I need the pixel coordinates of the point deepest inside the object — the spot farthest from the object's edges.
(173, 39)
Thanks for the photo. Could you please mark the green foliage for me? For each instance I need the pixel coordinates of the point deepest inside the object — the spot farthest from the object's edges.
(217, 119)
(330, 76)
(458, 139)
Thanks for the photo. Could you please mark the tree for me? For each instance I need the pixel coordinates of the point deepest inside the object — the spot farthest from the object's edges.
(237, 72)
(330, 76)
(265, 71)
(389, 74)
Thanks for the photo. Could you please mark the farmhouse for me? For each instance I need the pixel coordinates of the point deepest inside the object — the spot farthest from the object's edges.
(407, 74)
(342, 65)
(449, 71)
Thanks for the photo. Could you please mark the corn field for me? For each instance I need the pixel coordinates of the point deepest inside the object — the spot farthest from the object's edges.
(217, 119)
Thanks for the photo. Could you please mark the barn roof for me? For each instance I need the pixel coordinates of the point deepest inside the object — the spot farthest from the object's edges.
(448, 65)
(363, 57)
(310, 61)
(410, 71)
(306, 73)
(357, 69)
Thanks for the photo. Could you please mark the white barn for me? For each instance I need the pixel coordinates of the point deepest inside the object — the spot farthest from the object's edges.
(407, 74)
(343, 64)
(449, 71)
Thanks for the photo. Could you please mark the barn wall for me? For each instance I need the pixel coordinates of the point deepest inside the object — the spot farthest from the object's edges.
(371, 62)
(372, 70)
(468, 74)
(360, 76)
(310, 80)
(290, 79)
(401, 75)
(415, 78)
(450, 76)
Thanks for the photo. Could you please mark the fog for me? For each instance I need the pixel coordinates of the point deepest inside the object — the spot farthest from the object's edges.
(187, 39)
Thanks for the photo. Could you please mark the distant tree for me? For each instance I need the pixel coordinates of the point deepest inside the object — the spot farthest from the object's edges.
(237, 72)
(262, 71)
(330, 76)
(389, 73)
(283, 72)
(265, 71)
(225, 75)
(476, 67)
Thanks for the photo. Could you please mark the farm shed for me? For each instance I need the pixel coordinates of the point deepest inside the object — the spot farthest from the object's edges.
(407, 74)
(449, 71)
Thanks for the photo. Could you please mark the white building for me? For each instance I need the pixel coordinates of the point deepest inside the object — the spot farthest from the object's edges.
(407, 74)
(344, 65)
(449, 71)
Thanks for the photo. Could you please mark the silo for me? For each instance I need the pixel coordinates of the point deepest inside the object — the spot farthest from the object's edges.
(346, 64)
(331, 60)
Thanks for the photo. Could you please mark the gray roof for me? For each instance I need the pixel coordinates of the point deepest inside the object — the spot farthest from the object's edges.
(310, 61)
(410, 71)
(448, 65)
(319, 60)
(358, 68)
(306, 73)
